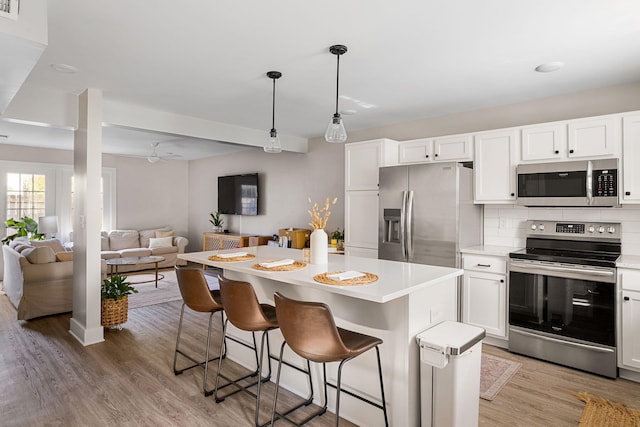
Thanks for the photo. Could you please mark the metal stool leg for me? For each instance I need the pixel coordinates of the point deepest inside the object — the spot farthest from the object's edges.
(384, 400)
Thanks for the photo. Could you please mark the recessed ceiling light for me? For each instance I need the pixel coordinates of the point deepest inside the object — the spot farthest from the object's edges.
(348, 112)
(549, 67)
(64, 68)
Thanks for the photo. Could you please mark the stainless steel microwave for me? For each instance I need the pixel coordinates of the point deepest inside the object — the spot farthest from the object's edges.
(576, 183)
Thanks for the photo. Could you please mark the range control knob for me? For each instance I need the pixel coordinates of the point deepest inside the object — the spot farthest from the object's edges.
(611, 230)
(541, 227)
(591, 229)
(600, 229)
(533, 226)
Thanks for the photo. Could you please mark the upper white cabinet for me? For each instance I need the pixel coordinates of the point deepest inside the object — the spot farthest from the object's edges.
(593, 137)
(440, 149)
(631, 158)
(544, 142)
(596, 137)
(494, 167)
(361, 219)
(362, 160)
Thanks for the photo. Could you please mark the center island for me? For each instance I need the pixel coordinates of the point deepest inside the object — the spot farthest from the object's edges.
(405, 300)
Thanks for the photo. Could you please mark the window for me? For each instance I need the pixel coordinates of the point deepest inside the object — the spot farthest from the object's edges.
(26, 195)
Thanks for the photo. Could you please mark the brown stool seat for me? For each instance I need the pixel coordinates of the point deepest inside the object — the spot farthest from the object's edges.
(309, 329)
(198, 297)
(246, 313)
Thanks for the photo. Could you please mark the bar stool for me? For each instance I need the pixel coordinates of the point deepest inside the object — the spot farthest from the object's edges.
(309, 329)
(198, 297)
(245, 312)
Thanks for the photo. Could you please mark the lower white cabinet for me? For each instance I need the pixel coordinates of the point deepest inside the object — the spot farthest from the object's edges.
(629, 320)
(484, 294)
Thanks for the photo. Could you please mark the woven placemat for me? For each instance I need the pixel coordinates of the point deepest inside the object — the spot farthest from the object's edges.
(367, 279)
(297, 265)
(599, 412)
(246, 257)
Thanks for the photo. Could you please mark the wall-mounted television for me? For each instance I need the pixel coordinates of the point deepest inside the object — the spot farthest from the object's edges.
(238, 194)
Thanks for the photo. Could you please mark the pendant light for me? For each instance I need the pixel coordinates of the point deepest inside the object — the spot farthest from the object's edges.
(335, 131)
(273, 145)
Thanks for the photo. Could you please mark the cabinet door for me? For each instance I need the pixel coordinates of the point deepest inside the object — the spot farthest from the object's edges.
(415, 151)
(361, 219)
(361, 252)
(547, 142)
(457, 147)
(593, 137)
(631, 159)
(361, 165)
(494, 167)
(630, 327)
(485, 302)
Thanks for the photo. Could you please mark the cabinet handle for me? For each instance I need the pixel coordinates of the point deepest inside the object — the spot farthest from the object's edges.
(627, 193)
(626, 298)
(484, 265)
(556, 152)
(436, 155)
(501, 280)
(571, 151)
(513, 194)
(427, 156)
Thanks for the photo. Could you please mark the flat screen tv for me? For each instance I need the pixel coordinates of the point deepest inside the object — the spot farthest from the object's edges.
(238, 194)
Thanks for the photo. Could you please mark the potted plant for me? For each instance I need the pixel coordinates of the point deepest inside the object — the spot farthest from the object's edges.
(216, 220)
(336, 237)
(25, 227)
(115, 293)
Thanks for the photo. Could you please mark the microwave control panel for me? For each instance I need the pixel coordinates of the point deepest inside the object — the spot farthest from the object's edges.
(605, 183)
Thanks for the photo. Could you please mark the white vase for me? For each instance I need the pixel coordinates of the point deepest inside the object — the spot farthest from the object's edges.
(319, 249)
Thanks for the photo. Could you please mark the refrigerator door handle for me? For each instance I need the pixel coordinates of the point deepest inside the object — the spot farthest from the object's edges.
(403, 231)
(409, 221)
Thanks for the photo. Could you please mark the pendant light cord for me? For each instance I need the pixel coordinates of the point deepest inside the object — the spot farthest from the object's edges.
(337, 82)
(273, 107)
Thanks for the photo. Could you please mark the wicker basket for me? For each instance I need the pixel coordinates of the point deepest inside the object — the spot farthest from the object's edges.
(115, 311)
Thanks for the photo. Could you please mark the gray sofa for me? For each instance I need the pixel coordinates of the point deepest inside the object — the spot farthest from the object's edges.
(134, 243)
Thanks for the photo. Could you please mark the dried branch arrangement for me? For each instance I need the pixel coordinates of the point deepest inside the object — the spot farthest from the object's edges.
(320, 216)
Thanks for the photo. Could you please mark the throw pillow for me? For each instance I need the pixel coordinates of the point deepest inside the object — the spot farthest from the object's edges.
(160, 242)
(145, 235)
(164, 233)
(22, 247)
(39, 255)
(123, 239)
(64, 256)
(54, 244)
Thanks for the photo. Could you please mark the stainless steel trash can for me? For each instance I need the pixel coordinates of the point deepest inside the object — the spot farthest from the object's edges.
(450, 356)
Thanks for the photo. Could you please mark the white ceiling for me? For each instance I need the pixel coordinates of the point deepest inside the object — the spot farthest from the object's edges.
(407, 59)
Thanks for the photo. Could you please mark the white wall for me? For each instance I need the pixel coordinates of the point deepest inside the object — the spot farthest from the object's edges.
(286, 181)
(505, 224)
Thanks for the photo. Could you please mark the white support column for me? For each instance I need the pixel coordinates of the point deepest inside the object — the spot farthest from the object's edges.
(87, 166)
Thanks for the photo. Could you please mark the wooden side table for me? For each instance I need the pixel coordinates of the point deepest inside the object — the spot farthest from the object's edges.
(218, 241)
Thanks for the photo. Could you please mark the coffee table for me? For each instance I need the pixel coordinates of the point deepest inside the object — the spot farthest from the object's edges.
(113, 264)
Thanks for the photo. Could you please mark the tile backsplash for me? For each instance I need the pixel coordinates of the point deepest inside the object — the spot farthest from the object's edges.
(506, 224)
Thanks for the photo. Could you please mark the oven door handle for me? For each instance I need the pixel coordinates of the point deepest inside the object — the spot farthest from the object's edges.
(541, 269)
(564, 342)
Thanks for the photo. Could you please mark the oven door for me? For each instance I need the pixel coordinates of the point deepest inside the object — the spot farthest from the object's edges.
(572, 301)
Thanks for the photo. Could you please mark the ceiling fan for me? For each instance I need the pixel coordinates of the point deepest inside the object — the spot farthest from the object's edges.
(154, 157)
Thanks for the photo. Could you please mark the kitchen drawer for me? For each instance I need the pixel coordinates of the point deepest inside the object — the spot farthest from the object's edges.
(489, 264)
(629, 279)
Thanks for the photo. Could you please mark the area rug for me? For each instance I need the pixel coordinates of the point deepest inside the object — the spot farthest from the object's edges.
(495, 373)
(166, 291)
(599, 412)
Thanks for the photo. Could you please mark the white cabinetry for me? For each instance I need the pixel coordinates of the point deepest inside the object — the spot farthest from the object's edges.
(544, 142)
(484, 294)
(494, 167)
(440, 149)
(631, 158)
(629, 319)
(593, 137)
(362, 160)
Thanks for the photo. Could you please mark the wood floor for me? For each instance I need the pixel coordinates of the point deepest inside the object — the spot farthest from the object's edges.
(48, 379)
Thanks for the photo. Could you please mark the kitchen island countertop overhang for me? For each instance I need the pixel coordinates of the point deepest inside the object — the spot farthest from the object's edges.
(395, 279)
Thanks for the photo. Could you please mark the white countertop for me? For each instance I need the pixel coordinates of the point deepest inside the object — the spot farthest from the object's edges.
(396, 279)
(489, 250)
(629, 261)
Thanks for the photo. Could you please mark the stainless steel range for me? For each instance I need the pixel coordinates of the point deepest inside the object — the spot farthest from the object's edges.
(562, 290)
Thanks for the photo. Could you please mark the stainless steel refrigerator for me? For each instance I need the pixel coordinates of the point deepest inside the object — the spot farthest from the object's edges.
(427, 213)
